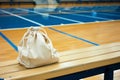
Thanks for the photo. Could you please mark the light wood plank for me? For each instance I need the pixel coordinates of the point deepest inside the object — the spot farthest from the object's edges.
(70, 52)
(101, 32)
(95, 32)
(16, 35)
(65, 68)
(6, 51)
(68, 42)
(109, 56)
(94, 49)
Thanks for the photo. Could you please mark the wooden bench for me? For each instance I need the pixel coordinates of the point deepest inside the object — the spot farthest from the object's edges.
(72, 62)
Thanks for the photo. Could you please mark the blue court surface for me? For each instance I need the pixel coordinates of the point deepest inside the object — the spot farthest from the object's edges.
(26, 17)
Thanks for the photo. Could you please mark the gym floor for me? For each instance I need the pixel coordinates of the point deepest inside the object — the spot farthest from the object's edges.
(72, 26)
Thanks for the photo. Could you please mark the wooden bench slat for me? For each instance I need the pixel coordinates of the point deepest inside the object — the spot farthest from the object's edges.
(91, 57)
(71, 57)
(8, 63)
(65, 68)
(70, 52)
(87, 54)
(89, 48)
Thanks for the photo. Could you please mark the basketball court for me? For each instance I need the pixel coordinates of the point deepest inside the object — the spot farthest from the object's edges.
(70, 26)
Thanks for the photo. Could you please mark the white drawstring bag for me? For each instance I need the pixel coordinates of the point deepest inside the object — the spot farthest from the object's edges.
(36, 49)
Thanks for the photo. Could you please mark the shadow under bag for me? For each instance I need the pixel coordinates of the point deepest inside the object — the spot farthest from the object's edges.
(36, 49)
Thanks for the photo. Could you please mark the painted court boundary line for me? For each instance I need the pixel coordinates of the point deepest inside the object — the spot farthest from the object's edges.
(70, 35)
(22, 17)
(51, 16)
(74, 36)
(92, 16)
(9, 41)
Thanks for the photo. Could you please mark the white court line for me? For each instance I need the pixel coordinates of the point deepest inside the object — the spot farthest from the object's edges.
(22, 18)
(51, 15)
(92, 16)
